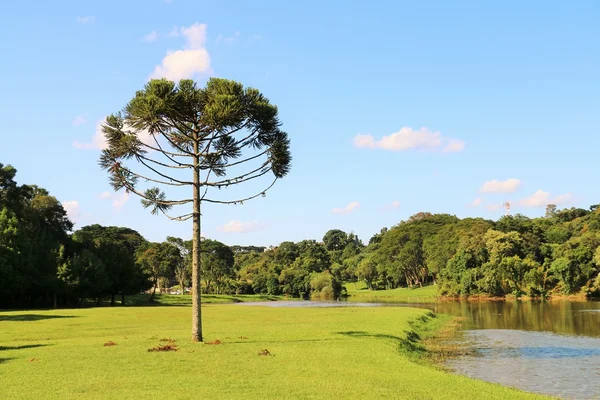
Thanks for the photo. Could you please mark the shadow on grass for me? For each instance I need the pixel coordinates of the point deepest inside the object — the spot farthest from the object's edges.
(161, 300)
(410, 345)
(366, 334)
(278, 341)
(25, 346)
(31, 317)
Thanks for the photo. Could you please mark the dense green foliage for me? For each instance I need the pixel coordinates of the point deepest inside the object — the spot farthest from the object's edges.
(516, 255)
(316, 353)
(42, 263)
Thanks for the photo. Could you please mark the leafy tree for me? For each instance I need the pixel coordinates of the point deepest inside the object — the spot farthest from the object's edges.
(224, 133)
(217, 263)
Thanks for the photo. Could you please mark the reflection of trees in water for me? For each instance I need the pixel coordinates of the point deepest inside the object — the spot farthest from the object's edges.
(560, 316)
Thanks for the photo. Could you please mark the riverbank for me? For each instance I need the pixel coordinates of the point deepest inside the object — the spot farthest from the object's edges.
(350, 352)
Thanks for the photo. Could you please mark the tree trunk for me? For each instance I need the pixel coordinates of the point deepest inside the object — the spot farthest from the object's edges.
(181, 287)
(112, 300)
(54, 300)
(196, 259)
(122, 299)
(153, 291)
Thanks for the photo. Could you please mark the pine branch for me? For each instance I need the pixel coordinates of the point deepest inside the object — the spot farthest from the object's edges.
(183, 217)
(163, 164)
(168, 203)
(180, 183)
(240, 178)
(166, 136)
(263, 193)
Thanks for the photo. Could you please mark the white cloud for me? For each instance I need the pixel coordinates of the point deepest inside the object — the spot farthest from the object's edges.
(349, 208)
(494, 207)
(477, 202)
(542, 199)
(174, 32)
(119, 200)
(221, 39)
(237, 226)
(454, 145)
(496, 186)
(72, 209)
(150, 37)
(79, 120)
(563, 199)
(408, 138)
(99, 141)
(191, 60)
(88, 19)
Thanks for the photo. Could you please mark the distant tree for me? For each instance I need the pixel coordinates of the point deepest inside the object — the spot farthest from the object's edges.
(335, 240)
(551, 210)
(217, 263)
(183, 269)
(224, 133)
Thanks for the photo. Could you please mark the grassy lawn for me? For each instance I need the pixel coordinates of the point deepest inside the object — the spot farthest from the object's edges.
(358, 291)
(315, 353)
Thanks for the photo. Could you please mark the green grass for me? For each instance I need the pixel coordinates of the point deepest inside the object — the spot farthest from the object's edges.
(317, 353)
(359, 292)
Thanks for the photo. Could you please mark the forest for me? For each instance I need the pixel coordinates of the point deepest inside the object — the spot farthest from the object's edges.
(44, 263)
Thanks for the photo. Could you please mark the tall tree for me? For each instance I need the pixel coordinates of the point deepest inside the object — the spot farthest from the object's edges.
(224, 133)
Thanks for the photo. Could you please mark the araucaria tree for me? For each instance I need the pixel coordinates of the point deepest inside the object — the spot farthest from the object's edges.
(206, 139)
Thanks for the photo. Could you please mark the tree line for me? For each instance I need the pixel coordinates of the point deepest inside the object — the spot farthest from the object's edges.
(43, 263)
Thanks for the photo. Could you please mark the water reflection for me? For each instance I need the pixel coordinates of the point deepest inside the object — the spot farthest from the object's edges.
(564, 317)
(557, 365)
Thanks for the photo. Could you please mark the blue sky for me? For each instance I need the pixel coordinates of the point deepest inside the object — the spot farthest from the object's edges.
(393, 107)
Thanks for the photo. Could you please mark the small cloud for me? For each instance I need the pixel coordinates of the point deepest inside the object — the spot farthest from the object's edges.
(79, 120)
(494, 207)
(477, 202)
(453, 146)
(542, 199)
(150, 37)
(174, 32)
(348, 209)
(563, 199)
(409, 138)
(72, 209)
(391, 206)
(85, 20)
(193, 59)
(119, 200)
(237, 226)
(98, 141)
(496, 186)
(221, 39)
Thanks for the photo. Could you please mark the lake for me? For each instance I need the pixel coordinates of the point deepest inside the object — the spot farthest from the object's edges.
(548, 347)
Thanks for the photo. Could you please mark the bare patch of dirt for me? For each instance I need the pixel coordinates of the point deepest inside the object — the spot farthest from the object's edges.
(166, 347)
(215, 342)
(109, 343)
(167, 340)
(265, 352)
(34, 359)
